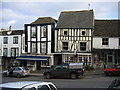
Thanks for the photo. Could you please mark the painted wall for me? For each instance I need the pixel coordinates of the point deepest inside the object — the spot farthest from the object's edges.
(113, 43)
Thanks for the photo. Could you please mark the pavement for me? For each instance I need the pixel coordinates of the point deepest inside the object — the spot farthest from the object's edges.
(90, 72)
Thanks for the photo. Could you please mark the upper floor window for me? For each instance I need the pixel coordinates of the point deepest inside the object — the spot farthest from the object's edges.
(5, 40)
(43, 31)
(33, 47)
(14, 52)
(65, 33)
(83, 33)
(15, 40)
(33, 32)
(43, 47)
(82, 46)
(105, 41)
(119, 41)
(65, 45)
(5, 51)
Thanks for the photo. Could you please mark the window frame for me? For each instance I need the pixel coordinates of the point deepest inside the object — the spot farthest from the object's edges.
(33, 31)
(83, 48)
(15, 40)
(105, 41)
(5, 40)
(5, 52)
(43, 31)
(64, 46)
(14, 52)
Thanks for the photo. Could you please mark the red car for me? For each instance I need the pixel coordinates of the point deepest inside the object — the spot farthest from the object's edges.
(112, 71)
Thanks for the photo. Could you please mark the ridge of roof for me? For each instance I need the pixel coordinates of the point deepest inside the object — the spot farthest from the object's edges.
(76, 11)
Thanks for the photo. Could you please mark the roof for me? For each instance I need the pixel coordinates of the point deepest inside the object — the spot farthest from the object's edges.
(13, 32)
(76, 19)
(44, 20)
(107, 28)
(21, 84)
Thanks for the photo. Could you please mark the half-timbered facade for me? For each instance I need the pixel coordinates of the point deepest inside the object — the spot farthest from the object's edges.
(39, 42)
(106, 42)
(73, 42)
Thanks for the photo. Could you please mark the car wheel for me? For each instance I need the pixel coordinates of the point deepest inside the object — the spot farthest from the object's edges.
(4, 74)
(110, 73)
(48, 76)
(18, 75)
(73, 75)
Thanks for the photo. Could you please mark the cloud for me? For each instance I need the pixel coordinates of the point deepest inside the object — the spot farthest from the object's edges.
(11, 22)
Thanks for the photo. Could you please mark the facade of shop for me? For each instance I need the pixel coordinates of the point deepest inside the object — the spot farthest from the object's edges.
(106, 43)
(39, 43)
(73, 42)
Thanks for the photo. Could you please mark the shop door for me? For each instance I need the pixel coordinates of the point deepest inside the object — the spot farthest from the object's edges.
(38, 65)
(110, 61)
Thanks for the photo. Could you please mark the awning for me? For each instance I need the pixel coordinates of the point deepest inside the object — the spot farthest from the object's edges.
(33, 58)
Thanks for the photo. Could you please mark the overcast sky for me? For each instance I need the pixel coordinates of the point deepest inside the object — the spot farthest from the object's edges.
(16, 14)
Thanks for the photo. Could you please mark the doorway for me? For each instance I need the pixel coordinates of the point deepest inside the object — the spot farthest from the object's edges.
(110, 61)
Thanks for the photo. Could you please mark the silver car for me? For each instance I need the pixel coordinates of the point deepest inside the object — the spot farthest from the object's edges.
(17, 71)
(28, 85)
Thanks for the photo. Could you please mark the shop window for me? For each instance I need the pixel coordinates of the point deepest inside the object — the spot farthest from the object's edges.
(105, 41)
(82, 46)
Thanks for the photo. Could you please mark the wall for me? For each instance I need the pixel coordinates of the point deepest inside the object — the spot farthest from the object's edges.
(113, 43)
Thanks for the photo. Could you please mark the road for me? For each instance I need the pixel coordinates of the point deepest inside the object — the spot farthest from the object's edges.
(88, 81)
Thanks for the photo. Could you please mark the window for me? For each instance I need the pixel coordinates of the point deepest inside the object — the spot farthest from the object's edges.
(33, 32)
(5, 51)
(14, 52)
(104, 41)
(65, 33)
(43, 47)
(119, 41)
(43, 31)
(52, 87)
(83, 46)
(15, 40)
(44, 87)
(65, 45)
(5, 41)
(33, 88)
(33, 47)
(83, 33)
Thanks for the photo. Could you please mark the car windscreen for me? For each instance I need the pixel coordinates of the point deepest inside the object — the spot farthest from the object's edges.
(10, 89)
(25, 68)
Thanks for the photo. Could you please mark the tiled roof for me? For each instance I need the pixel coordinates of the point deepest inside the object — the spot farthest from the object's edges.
(107, 28)
(76, 19)
(44, 20)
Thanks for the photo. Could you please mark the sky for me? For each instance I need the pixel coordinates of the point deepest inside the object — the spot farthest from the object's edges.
(17, 13)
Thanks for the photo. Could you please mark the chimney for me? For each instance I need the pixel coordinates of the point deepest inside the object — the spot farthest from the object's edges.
(9, 28)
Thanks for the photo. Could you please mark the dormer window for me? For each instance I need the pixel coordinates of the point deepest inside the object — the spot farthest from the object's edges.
(105, 41)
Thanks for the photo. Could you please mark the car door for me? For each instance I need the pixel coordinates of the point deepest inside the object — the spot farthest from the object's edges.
(117, 71)
(57, 71)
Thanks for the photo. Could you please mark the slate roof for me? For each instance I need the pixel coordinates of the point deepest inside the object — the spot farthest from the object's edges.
(14, 32)
(107, 28)
(44, 20)
(76, 19)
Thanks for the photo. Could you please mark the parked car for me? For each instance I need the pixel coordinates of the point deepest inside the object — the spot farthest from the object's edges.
(28, 85)
(112, 71)
(16, 71)
(72, 70)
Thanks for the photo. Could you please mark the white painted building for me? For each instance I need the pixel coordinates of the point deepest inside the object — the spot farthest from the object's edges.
(73, 37)
(39, 42)
(106, 42)
(10, 46)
